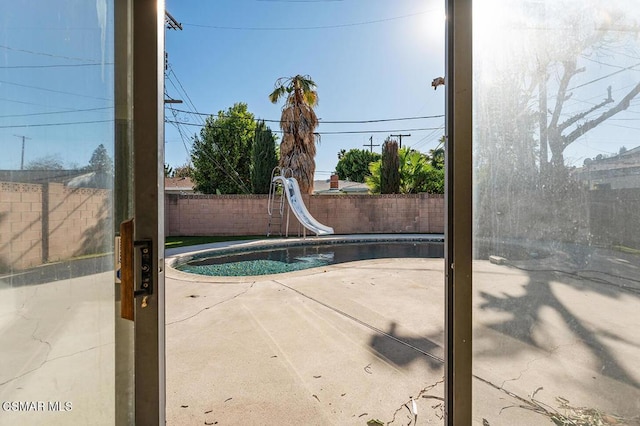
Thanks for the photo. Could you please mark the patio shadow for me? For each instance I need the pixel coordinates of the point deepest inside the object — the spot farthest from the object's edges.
(403, 350)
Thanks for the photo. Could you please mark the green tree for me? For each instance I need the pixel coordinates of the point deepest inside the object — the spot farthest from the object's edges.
(417, 174)
(101, 161)
(390, 168)
(436, 155)
(101, 167)
(47, 162)
(298, 122)
(373, 180)
(263, 159)
(220, 155)
(353, 165)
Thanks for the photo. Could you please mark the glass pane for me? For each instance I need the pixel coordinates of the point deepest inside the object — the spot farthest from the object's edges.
(57, 311)
(354, 343)
(556, 213)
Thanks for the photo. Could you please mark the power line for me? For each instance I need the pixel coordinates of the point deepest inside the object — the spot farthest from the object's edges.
(589, 101)
(381, 120)
(55, 112)
(319, 27)
(53, 66)
(54, 91)
(602, 63)
(624, 127)
(177, 126)
(191, 104)
(51, 55)
(603, 77)
(378, 131)
(32, 103)
(16, 126)
(230, 171)
(426, 139)
(331, 133)
(298, 1)
(614, 52)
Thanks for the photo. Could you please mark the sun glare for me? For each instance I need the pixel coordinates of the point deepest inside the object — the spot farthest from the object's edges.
(433, 27)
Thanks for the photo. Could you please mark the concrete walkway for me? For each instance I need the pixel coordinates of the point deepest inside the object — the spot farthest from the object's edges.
(352, 343)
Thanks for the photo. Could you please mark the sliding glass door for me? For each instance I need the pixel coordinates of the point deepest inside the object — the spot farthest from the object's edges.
(556, 172)
(67, 173)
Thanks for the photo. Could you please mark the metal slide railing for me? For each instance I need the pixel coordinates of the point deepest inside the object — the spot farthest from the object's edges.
(275, 209)
(294, 198)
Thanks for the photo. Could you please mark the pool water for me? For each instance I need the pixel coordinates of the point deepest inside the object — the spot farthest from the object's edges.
(289, 259)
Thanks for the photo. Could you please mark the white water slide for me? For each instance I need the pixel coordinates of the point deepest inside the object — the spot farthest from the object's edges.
(291, 188)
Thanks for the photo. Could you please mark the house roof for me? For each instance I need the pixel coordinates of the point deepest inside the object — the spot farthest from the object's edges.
(344, 186)
(319, 186)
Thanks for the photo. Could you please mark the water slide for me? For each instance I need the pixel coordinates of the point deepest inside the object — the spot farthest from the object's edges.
(291, 188)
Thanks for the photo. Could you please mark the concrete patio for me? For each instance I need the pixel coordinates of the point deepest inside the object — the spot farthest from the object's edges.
(351, 343)
(342, 345)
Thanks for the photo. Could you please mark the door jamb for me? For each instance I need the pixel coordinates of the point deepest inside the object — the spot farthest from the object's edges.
(458, 212)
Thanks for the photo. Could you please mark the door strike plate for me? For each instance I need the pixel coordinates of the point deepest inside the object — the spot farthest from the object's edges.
(146, 265)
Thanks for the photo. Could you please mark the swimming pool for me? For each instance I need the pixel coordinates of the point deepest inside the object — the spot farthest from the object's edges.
(295, 256)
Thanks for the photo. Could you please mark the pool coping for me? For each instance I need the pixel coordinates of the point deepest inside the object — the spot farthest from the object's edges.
(185, 254)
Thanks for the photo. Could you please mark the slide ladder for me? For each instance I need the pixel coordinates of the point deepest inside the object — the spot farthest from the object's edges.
(291, 190)
(276, 205)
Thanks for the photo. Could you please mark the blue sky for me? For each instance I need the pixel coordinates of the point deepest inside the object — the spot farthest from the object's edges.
(55, 69)
(370, 59)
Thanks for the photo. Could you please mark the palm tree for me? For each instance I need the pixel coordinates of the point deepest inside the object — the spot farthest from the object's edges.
(298, 121)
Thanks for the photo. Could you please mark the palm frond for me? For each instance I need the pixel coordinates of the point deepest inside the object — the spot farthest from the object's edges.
(305, 81)
(277, 93)
(311, 98)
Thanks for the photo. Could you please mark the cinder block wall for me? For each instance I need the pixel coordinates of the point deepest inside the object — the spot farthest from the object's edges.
(191, 215)
(79, 222)
(614, 217)
(51, 222)
(20, 225)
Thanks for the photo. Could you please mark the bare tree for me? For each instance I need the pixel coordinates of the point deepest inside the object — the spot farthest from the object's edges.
(559, 55)
(561, 134)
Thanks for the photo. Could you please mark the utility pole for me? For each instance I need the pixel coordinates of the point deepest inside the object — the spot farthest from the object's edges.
(171, 24)
(399, 138)
(371, 145)
(22, 157)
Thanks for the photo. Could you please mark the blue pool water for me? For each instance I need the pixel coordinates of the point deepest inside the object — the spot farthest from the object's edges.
(288, 259)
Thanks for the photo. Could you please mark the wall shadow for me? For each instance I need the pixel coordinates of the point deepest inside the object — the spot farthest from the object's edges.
(4, 264)
(95, 239)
